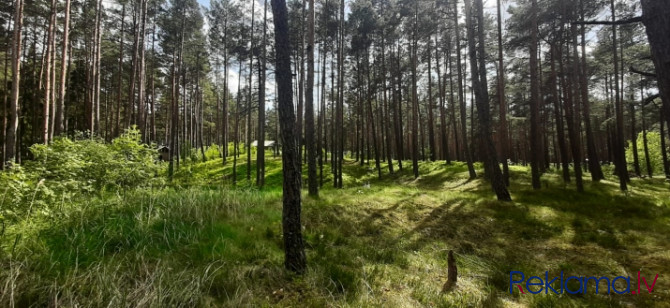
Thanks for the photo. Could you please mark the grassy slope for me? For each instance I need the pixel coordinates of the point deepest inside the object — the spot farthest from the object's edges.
(201, 243)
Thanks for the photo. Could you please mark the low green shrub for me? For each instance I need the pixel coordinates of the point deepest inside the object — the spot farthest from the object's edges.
(67, 168)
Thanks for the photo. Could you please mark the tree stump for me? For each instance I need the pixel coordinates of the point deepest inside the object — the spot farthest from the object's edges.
(452, 273)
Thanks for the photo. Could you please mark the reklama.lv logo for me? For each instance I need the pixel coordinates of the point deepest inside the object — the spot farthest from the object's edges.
(583, 282)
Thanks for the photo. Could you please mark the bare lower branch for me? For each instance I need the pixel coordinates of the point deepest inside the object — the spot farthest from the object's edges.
(650, 99)
(646, 74)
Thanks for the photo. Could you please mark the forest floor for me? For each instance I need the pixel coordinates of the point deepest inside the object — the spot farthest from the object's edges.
(376, 242)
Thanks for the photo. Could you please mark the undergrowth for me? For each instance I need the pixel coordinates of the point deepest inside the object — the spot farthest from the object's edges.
(199, 241)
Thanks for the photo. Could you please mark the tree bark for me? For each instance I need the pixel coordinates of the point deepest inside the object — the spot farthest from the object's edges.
(479, 84)
(415, 98)
(60, 106)
(141, 107)
(502, 104)
(444, 147)
(294, 249)
(119, 93)
(461, 96)
(558, 114)
(594, 162)
(535, 143)
(620, 157)
(650, 171)
(633, 134)
(48, 91)
(260, 150)
(656, 18)
(664, 149)
(431, 105)
(249, 100)
(10, 148)
(309, 106)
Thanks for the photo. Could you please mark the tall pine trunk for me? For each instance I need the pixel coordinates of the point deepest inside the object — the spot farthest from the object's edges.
(10, 147)
(309, 106)
(48, 91)
(619, 154)
(294, 247)
(502, 104)
(260, 150)
(480, 87)
(535, 143)
(592, 153)
(461, 95)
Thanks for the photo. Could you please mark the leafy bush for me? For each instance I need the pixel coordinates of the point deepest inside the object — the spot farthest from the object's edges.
(67, 168)
(655, 155)
(213, 152)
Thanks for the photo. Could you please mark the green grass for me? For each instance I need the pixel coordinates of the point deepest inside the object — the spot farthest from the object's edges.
(201, 242)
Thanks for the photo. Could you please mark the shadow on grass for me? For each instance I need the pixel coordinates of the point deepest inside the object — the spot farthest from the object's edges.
(366, 246)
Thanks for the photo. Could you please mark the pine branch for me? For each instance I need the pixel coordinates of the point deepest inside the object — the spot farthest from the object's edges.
(646, 74)
(618, 22)
(650, 99)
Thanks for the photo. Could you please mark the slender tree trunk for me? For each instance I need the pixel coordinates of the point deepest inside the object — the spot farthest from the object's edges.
(119, 93)
(373, 128)
(571, 121)
(174, 124)
(130, 108)
(461, 95)
(502, 104)
(664, 149)
(238, 103)
(633, 134)
(96, 75)
(386, 116)
(60, 107)
(294, 247)
(309, 106)
(141, 107)
(620, 156)
(5, 102)
(592, 153)
(535, 142)
(650, 170)
(49, 54)
(198, 112)
(452, 99)
(260, 150)
(249, 100)
(444, 148)
(431, 106)
(225, 92)
(339, 116)
(415, 98)
(10, 148)
(398, 112)
(152, 134)
(558, 114)
(480, 86)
